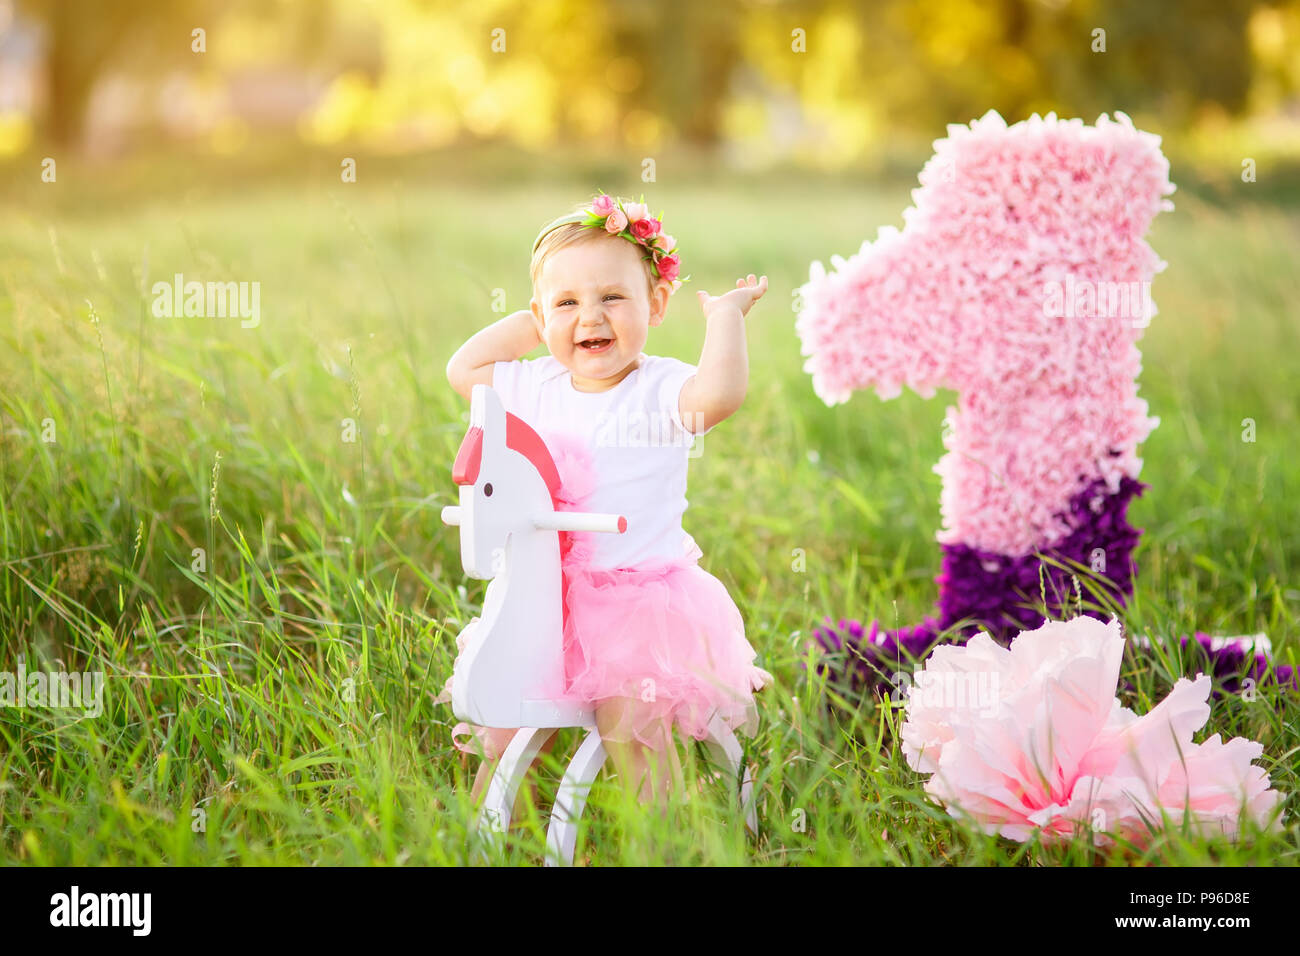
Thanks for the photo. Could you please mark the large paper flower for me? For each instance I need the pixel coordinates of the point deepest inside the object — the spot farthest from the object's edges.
(1032, 738)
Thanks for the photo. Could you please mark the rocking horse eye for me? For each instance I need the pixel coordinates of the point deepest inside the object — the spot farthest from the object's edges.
(487, 489)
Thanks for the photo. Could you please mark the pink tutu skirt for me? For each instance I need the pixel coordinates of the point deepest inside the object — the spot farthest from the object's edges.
(666, 634)
(669, 637)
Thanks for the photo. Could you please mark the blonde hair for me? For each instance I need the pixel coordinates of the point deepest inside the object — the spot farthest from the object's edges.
(570, 234)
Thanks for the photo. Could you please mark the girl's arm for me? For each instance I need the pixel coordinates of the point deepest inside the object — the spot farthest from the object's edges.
(503, 341)
(721, 378)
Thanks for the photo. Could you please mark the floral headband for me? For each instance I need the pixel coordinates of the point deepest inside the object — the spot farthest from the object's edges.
(631, 221)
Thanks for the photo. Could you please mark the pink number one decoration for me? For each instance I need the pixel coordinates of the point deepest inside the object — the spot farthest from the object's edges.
(1021, 280)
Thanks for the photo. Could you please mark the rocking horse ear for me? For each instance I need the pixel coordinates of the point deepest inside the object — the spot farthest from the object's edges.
(486, 410)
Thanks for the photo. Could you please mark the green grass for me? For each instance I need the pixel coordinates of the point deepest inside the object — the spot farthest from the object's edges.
(287, 690)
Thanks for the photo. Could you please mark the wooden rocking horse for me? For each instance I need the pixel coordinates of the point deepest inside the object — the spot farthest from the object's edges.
(511, 670)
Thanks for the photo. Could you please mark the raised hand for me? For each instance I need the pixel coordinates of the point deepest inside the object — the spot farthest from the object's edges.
(745, 294)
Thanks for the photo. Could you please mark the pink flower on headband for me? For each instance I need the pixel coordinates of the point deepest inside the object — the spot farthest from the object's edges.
(632, 221)
(644, 228)
(616, 222)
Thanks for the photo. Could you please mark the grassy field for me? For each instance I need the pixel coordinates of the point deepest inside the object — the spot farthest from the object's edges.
(277, 706)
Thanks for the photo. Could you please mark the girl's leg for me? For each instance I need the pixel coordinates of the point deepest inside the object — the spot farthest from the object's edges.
(651, 773)
(498, 739)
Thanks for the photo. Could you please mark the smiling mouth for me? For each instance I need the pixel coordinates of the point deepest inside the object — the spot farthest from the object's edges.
(595, 345)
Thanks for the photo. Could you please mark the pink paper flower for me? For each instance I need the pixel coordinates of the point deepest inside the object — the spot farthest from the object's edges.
(665, 242)
(616, 222)
(635, 211)
(602, 205)
(1032, 738)
(669, 268)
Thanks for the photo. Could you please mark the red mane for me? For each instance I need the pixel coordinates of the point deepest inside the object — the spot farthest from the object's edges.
(521, 437)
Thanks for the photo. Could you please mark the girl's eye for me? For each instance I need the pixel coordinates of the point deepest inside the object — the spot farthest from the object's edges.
(564, 303)
(613, 295)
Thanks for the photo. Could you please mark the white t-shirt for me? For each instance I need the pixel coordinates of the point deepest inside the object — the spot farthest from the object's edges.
(638, 444)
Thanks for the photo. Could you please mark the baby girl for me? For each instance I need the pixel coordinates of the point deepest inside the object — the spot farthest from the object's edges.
(651, 639)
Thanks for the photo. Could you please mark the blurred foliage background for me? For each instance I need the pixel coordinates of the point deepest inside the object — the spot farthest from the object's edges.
(743, 84)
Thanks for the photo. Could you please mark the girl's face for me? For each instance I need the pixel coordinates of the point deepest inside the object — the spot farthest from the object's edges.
(593, 310)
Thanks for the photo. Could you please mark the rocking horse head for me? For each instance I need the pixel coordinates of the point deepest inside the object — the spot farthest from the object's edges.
(506, 477)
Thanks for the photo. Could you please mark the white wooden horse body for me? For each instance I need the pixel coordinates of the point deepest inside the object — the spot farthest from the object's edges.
(510, 672)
